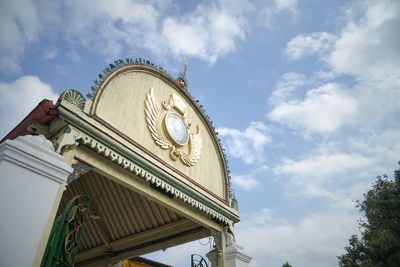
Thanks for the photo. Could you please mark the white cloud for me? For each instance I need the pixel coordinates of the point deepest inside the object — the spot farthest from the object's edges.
(286, 4)
(340, 170)
(269, 10)
(368, 47)
(19, 26)
(248, 145)
(306, 242)
(246, 182)
(323, 166)
(382, 145)
(109, 27)
(365, 47)
(286, 86)
(313, 241)
(209, 32)
(19, 97)
(250, 181)
(50, 54)
(324, 110)
(309, 44)
(324, 175)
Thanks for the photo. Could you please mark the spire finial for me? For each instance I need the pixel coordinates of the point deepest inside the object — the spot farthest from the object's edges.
(182, 75)
(185, 63)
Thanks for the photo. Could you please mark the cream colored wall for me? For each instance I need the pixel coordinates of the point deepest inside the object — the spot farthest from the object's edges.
(122, 105)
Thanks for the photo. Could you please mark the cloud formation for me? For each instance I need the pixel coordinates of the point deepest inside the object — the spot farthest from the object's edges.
(207, 32)
(309, 44)
(368, 46)
(245, 182)
(322, 166)
(269, 10)
(323, 110)
(20, 25)
(304, 243)
(248, 145)
(19, 97)
(366, 51)
(286, 86)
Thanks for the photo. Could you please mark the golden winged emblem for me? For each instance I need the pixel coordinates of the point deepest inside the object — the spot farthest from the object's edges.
(169, 128)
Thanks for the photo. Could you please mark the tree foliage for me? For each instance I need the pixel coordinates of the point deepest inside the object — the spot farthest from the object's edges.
(379, 244)
(286, 264)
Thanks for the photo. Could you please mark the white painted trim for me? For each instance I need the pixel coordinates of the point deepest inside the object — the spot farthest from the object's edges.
(35, 153)
(236, 254)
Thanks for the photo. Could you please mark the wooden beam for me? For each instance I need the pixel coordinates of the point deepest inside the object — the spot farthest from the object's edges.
(164, 231)
(156, 245)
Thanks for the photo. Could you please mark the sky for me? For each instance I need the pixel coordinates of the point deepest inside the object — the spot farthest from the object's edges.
(305, 96)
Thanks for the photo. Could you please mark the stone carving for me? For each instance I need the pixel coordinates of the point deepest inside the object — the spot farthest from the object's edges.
(74, 97)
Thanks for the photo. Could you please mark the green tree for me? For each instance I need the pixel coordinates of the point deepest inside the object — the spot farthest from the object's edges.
(286, 265)
(379, 244)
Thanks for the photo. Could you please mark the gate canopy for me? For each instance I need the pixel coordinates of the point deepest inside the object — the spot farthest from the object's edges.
(146, 154)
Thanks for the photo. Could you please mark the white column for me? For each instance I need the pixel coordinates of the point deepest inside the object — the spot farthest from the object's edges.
(235, 256)
(32, 176)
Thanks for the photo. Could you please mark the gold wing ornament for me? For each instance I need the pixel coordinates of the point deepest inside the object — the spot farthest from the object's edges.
(154, 116)
(195, 150)
(174, 108)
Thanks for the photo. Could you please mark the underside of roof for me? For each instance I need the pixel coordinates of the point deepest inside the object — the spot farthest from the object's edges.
(123, 223)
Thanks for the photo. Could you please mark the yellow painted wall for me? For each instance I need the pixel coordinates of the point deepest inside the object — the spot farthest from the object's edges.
(132, 263)
(122, 105)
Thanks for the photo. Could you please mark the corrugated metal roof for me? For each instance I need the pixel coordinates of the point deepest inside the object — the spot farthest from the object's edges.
(117, 213)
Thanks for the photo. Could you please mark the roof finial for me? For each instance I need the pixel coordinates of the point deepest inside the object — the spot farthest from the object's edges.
(185, 63)
(182, 82)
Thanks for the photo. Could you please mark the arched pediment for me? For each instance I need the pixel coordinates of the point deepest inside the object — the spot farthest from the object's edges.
(147, 108)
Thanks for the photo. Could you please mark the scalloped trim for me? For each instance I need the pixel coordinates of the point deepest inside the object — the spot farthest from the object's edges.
(147, 176)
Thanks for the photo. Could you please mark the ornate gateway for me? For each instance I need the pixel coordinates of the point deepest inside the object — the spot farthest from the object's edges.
(146, 155)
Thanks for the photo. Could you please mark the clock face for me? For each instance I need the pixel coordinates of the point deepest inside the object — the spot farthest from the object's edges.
(176, 128)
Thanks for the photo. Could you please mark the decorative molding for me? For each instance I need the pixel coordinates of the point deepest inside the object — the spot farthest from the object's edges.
(66, 137)
(118, 64)
(36, 154)
(126, 163)
(74, 97)
(235, 253)
(38, 141)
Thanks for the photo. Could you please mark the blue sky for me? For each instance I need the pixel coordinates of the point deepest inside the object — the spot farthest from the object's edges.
(305, 96)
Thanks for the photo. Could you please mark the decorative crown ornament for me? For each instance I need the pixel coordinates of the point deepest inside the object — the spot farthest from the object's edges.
(169, 128)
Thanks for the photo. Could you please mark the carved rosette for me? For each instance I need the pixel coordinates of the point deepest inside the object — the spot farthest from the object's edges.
(74, 97)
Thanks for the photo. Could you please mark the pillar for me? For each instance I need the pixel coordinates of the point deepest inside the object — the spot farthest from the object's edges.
(32, 179)
(234, 254)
